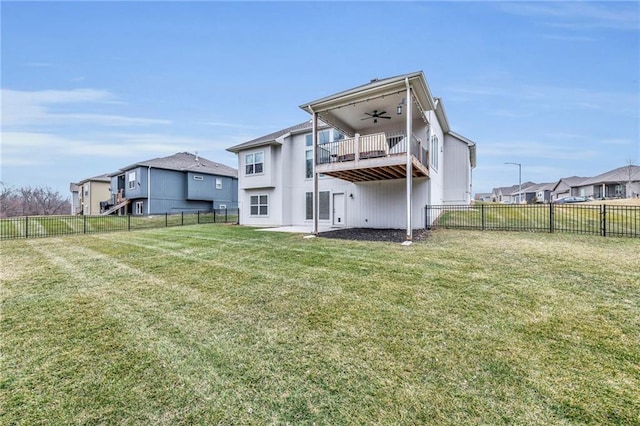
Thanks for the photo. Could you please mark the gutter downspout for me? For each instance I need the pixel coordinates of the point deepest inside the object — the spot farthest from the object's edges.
(149, 191)
(409, 171)
(316, 204)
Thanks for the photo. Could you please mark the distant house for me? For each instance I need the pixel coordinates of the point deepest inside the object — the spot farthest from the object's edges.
(87, 194)
(371, 156)
(566, 187)
(180, 182)
(535, 193)
(623, 182)
(502, 194)
(482, 196)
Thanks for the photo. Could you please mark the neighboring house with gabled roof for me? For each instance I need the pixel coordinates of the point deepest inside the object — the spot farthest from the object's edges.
(534, 192)
(566, 187)
(623, 182)
(182, 182)
(372, 156)
(87, 194)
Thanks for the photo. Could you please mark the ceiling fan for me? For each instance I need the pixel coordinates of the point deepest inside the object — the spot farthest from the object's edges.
(376, 115)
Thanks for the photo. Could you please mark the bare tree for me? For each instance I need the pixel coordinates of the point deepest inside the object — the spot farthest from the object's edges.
(629, 173)
(28, 201)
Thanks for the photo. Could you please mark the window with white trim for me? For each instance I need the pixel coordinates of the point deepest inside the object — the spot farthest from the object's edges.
(218, 183)
(139, 207)
(324, 137)
(259, 205)
(132, 180)
(254, 163)
(435, 151)
(325, 208)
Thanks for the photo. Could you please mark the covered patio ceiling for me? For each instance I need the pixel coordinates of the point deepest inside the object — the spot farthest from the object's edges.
(355, 109)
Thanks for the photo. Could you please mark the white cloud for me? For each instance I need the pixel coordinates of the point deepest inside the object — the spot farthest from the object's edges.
(524, 149)
(578, 15)
(37, 108)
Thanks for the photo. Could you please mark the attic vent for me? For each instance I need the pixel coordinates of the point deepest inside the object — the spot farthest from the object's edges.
(197, 177)
(373, 80)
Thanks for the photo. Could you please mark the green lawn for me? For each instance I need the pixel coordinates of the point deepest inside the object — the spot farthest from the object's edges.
(225, 324)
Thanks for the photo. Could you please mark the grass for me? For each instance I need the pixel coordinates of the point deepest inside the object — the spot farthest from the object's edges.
(230, 325)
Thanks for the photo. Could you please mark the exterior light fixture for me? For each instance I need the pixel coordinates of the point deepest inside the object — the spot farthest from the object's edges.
(399, 109)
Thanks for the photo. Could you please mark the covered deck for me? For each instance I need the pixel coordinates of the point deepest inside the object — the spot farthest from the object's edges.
(377, 156)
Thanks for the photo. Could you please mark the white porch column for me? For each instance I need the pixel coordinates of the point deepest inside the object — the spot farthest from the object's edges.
(409, 171)
(316, 204)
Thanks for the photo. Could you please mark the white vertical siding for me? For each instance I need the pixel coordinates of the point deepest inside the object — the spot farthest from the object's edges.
(457, 172)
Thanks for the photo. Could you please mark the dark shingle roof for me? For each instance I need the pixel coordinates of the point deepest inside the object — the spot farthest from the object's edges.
(187, 162)
(271, 138)
(621, 174)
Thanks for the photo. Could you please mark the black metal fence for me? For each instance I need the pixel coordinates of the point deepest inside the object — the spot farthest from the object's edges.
(604, 220)
(48, 226)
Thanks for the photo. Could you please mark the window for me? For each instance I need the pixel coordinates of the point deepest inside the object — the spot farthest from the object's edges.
(324, 137)
(435, 151)
(132, 180)
(254, 163)
(139, 207)
(197, 177)
(259, 205)
(325, 208)
(309, 163)
(218, 183)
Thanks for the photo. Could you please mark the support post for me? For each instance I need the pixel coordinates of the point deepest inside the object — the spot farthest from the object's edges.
(316, 204)
(409, 171)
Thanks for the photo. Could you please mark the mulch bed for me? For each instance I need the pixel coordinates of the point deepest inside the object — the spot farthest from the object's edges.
(369, 234)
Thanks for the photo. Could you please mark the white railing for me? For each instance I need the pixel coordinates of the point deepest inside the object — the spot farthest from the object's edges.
(361, 147)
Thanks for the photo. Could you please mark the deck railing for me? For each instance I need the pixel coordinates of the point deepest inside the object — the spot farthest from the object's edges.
(362, 147)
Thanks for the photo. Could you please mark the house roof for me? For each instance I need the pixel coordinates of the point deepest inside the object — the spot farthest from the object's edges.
(99, 178)
(621, 174)
(184, 161)
(571, 181)
(271, 138)
(344, 110)
(538, 187)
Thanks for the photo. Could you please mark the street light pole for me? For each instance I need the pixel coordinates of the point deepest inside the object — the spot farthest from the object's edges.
(519, 180)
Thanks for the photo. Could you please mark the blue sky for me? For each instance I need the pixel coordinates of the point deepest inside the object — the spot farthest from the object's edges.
(90, 87)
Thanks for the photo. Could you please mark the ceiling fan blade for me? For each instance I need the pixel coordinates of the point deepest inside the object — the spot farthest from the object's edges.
(382, 113)
(388, 118)
(366, 118)
(370, 115)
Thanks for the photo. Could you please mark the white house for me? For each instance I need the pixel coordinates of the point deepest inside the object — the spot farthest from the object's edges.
(353, 164)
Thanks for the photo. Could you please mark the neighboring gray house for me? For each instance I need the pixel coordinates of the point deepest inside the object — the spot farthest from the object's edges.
(566, 187)
(623, 182)
(180, 182)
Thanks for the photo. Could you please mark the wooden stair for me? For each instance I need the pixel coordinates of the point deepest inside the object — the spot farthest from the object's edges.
(120, 205)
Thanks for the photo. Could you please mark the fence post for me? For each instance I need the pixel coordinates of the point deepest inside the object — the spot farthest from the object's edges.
(84, 224)
(551, 219)
(482, 214)
(129, 222)
(225, 215)
(26, 226)
(181, 218)
(603, 220)
(214, 215)
(166, 219)
(198, 217)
